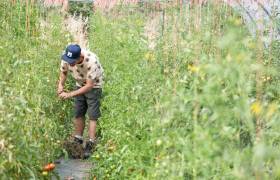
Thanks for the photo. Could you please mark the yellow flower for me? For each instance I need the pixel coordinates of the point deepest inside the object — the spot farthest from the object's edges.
(256, 108)
(228, 58)
(193, 68)
(237, 22)
(150, 56)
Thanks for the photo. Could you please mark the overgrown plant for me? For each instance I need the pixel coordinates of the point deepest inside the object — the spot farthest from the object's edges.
(32, 118)
(202, 105)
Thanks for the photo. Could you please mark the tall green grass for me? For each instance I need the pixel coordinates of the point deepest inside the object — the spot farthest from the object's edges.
(32, 118)
(203, 105)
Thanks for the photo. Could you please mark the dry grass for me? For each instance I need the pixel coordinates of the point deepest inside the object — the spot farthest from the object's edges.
(77, 27)
(152, 30)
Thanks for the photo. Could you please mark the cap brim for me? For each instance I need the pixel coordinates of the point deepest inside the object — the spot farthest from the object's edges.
(68, 60)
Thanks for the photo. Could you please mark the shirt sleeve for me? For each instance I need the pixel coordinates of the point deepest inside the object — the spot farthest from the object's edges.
(63, 66)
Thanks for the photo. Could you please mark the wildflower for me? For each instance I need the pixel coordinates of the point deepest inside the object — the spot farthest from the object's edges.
(150, 56)
(266, 78)
(159, 142)
(228, 58)
(193, 68)
(237, 22)
(256, 108)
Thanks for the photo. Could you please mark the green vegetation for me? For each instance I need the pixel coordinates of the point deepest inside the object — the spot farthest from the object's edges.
(83, 7)
(203, 104)
(32, 118)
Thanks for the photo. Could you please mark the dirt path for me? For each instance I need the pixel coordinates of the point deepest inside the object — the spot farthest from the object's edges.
(77, 27)
(78, 169)
(72, 169)
(151, 30)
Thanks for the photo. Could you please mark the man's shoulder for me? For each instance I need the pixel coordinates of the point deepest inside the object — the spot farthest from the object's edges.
(90, 55)
(88, 52)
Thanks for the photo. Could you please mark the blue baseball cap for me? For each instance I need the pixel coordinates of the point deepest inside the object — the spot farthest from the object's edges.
(72, 53)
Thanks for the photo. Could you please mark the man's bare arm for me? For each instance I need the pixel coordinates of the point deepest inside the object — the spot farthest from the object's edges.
(61, 82)
(86, 88)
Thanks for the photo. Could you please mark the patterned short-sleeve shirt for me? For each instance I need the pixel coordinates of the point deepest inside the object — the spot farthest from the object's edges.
(90, 68)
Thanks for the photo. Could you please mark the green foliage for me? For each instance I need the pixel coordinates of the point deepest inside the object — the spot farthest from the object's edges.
(32, 118)
(128, 96)
(83, 8)
(203, 105)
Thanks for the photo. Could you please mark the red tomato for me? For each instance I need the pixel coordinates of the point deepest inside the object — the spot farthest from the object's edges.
(49, 167)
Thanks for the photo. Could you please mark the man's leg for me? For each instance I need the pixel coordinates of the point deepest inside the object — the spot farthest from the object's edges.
(80, 105)
(79, 124)
(92, 138)
(93, 102)
(92, 130)
(75, 146)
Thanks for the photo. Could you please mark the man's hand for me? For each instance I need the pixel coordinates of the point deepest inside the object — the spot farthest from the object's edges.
(60, 89)
(65, 95)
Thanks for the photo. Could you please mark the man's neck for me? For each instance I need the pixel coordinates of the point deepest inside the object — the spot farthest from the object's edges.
(81, 58)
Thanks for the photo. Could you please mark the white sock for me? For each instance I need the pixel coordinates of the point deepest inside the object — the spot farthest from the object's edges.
(91, 140)
(79, 137)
